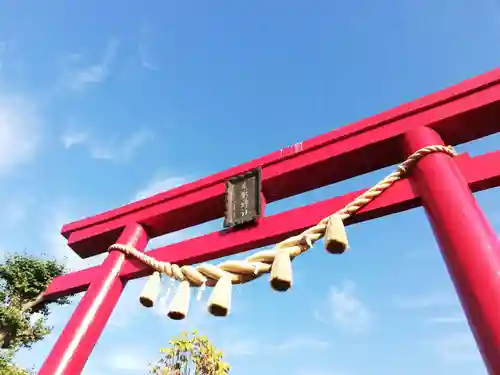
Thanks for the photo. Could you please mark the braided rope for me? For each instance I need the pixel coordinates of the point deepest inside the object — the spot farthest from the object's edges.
(242, 271)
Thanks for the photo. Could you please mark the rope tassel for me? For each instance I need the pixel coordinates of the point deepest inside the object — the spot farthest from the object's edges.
(281, 271)
(151, 290)
(179, 305)
(220, 300)
(335, 235)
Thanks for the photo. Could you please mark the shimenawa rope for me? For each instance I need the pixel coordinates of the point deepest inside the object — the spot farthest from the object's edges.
(242, 271)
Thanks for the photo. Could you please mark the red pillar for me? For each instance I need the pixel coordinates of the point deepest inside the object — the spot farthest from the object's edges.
(470, 247)
(72, 349)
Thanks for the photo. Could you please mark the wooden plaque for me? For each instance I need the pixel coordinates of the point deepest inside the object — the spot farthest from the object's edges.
(243, 199)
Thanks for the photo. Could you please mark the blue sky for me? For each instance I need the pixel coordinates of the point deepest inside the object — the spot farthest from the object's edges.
(104, 102)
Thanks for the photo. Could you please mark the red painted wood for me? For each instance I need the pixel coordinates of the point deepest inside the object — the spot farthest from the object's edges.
(364, 146)
(481, 172)
(470, 247)
(71, 283)
(72, 349)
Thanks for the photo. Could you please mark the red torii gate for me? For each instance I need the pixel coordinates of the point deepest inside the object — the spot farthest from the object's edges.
(443, 186)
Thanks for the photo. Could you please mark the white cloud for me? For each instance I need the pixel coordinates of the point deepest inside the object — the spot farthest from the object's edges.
(300, 343)
(20, 132)
(248, 346)
(96, 73)
(71, 139)
(455, 318)
(57, 244)
(346, 310)
(426, 301)
(445, 308)
(144, 59)
(144, 48)
(456, 347)
(119, 151)
(113, 150)
(421, 254)
(240, 348)
(128, 307)
(127, 360)
(14, 211)
(160, 185)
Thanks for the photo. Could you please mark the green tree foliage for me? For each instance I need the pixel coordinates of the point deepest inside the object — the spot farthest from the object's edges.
(190, 355)
(8, 368)
(23, 312)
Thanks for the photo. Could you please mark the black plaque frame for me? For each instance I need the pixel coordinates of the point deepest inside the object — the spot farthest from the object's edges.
(233, 186)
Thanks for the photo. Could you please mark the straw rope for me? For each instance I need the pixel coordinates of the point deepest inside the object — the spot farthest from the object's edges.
(242, 271)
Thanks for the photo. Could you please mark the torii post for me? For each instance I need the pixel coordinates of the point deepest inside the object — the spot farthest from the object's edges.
(442, 185)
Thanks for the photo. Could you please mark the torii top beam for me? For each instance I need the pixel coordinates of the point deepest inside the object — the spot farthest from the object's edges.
(364, 146)
(450, 112)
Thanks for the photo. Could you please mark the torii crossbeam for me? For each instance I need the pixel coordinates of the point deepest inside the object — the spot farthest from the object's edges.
(442, 185)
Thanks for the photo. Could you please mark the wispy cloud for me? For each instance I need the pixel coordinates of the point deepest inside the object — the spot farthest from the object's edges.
(455, 318)
(300, 343)
(246, 347)
(426, 301)
(70, 139)
(421, 254)
(128, 307)
(14, 211)
(20, 132)
(456, 347)
(345, 310)
(112, 150)
(120, 151)
(127, 359)
(241, 348)
(160, 185)
(144, 57)
(144, 48)
(57, 244)
(95, 73)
